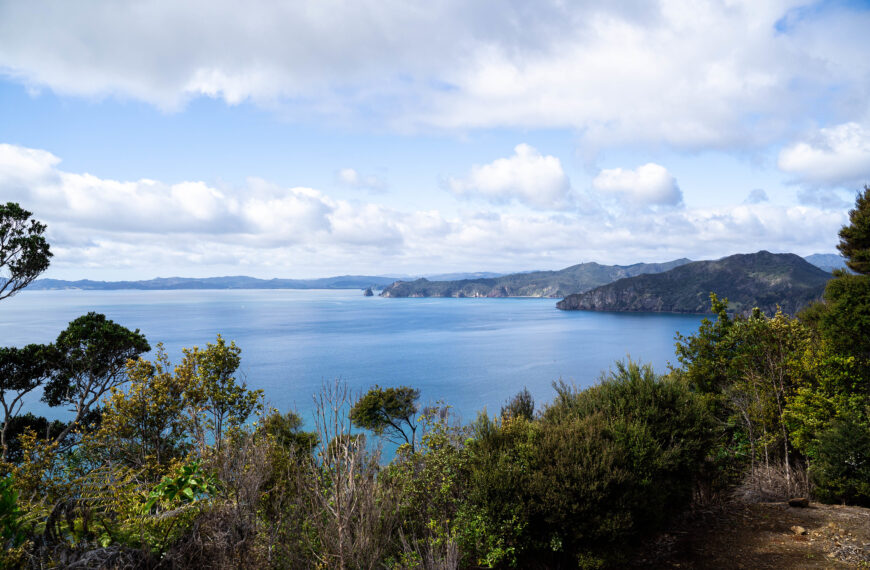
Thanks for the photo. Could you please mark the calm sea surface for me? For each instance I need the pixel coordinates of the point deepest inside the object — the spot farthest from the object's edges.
(470, 353)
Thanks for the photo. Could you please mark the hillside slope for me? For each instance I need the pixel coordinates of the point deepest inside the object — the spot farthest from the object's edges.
(764, 280)
(576, 278)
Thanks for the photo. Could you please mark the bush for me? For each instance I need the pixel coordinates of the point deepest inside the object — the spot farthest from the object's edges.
(841, 473)
(600, 467)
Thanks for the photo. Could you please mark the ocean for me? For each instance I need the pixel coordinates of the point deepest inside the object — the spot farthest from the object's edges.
(473, 354)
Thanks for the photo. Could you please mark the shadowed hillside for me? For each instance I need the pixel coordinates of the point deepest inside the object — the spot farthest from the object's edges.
(574, 279)
(765, 280)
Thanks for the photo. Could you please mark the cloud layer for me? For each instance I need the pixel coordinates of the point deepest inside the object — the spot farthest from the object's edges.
(689, 74)
(101, 228)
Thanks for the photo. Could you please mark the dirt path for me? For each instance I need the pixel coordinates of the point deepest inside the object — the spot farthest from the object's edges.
(765, 535)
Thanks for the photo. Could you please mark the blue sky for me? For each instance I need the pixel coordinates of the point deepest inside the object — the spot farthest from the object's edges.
(304, 139)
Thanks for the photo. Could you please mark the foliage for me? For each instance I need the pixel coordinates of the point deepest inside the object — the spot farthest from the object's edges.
(213, 400)
(616, 461)
(90, 356)
(704, 354)
(285, 430)
(841, 471)
(144, 426)
(12, 532)
(22, 370)
(522, 405)
(599, 467)
(855, 237)
(846, 321)
(189, 484)
(388, 411)
(430, 483)
(750, 369)
(24, 253)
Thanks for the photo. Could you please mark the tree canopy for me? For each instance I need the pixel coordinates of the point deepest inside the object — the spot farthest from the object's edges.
(89, 359)
(390, 411)
(855, 237)
(24, 253)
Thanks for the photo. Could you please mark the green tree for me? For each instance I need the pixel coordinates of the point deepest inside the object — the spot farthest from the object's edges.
(213, 399)
(24, 253)
(144, 425)
(522, 405)
(22, 370)
(388, 411)
(855, 237)
(89, 359)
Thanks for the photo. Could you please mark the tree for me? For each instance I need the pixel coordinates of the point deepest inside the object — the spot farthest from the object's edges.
(22, 370)
(89, 360)
(390, 411)
(213, 398)
(855, 238)
(144, 426)
(522, 405)
(24, 253)
(846, 321)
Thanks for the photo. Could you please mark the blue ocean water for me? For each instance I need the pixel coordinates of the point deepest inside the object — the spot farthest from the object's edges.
(470, 353)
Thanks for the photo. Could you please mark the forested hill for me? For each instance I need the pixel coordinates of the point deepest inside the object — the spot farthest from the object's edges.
(764, 280)
(572, 279)
(236, 282)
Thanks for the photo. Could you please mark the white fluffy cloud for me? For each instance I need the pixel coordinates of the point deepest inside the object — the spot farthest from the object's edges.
(100, 228)
(834, 156)
(647, 185)
(527, 176)
(693, 74)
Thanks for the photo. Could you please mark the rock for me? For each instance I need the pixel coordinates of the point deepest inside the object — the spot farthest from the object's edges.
(800, 502)
(368, 292)
(798, 529)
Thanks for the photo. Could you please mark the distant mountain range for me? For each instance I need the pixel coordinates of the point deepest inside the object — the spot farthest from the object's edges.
(236, 282)
(574, 279)
(581, 277)
(764, 280)
(827, 261)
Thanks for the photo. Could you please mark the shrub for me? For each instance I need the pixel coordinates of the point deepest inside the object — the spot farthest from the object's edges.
(600, 467)
(841, 472)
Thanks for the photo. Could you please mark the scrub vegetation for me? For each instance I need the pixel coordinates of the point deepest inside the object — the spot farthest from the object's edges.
(174, 465)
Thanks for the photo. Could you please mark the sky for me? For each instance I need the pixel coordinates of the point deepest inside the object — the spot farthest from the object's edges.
(379, 137)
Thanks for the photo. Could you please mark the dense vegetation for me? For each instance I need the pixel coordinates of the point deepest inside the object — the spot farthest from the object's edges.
(174, 465)
(768, 281)
(581, 277)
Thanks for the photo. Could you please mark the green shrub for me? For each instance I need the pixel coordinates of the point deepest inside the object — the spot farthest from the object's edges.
(841, 472)
(601, 467)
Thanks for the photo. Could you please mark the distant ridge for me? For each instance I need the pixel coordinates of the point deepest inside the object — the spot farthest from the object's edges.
(764, 280)
(234, 282)
(581, 277)
(827, 261)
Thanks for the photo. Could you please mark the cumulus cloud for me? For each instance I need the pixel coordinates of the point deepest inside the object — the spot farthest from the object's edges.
(527, 176)
(353, 179)
(672, 71)
(834, 156)
(648, 185)
(109, 229)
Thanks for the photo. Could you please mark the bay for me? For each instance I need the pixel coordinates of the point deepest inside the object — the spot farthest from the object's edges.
(472, 354)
